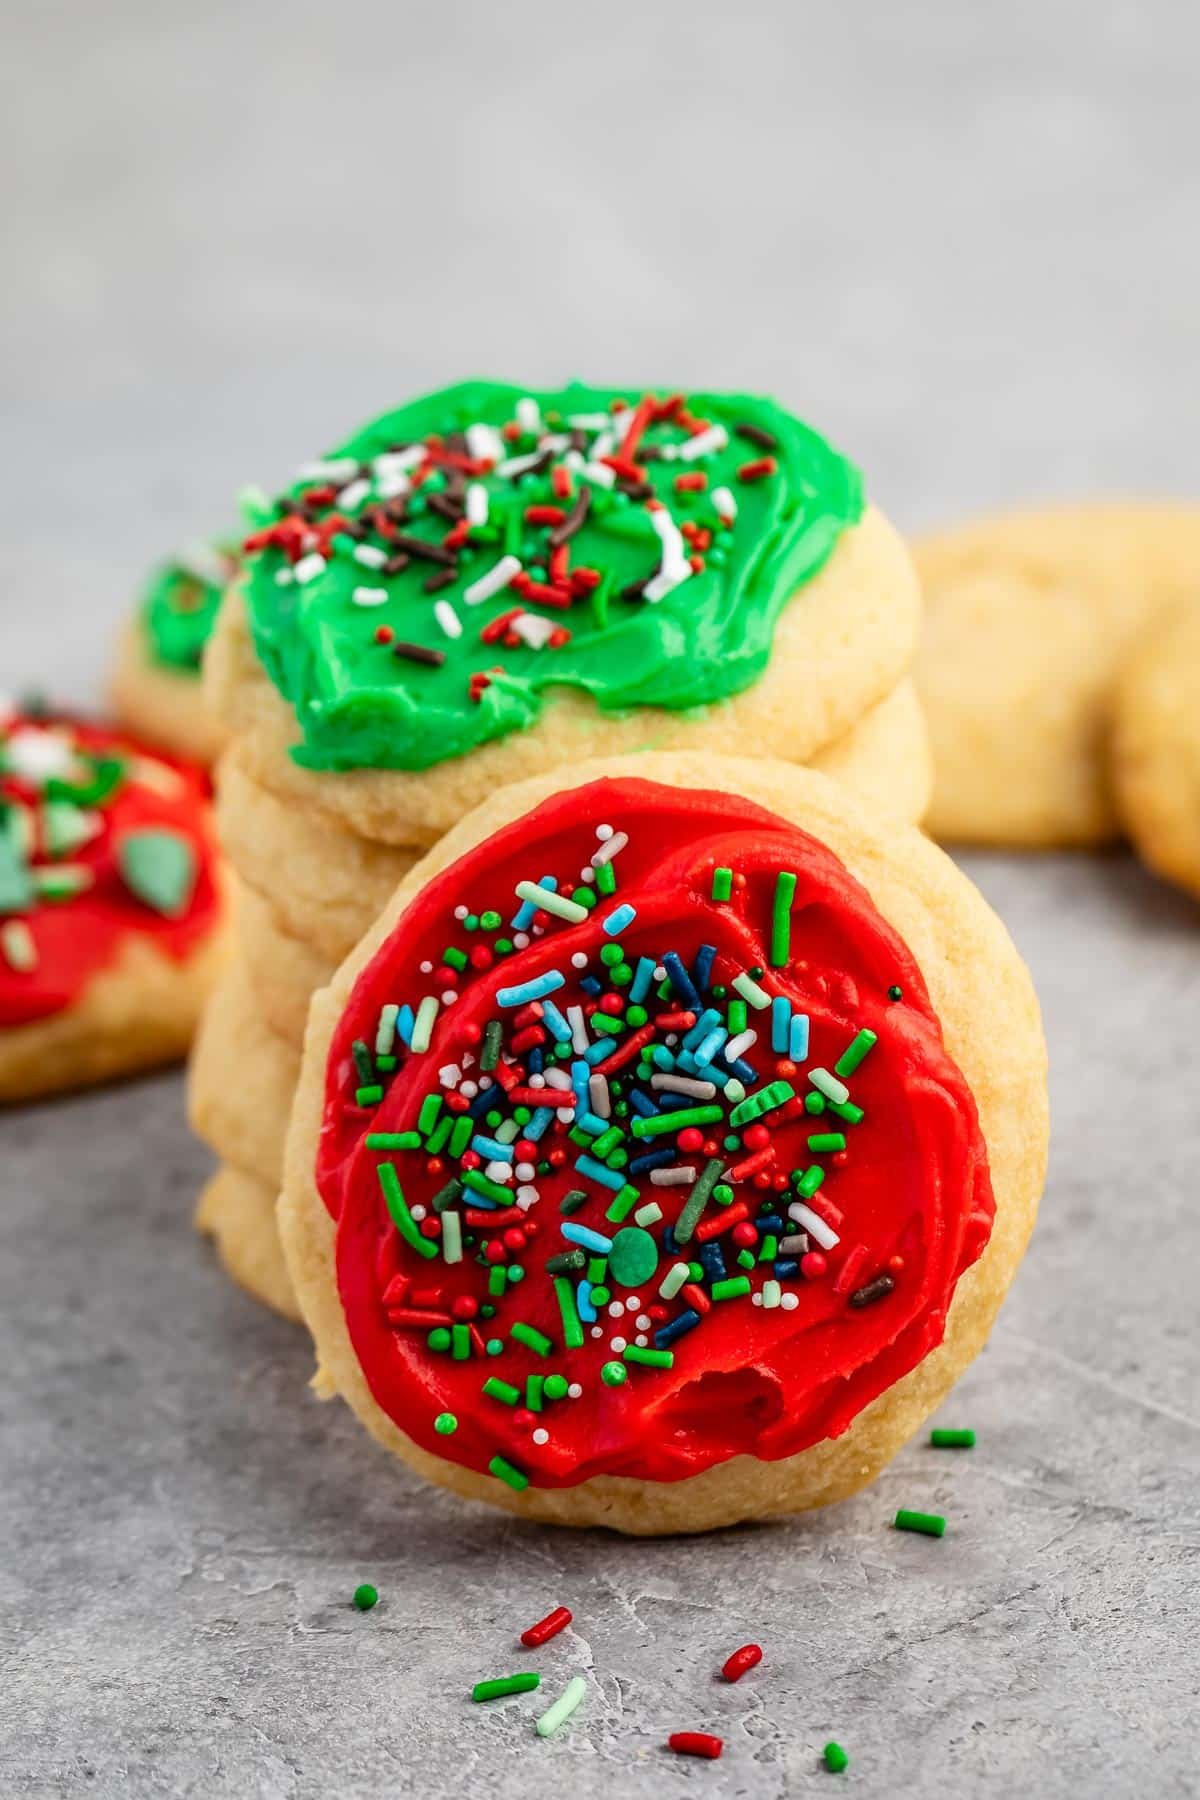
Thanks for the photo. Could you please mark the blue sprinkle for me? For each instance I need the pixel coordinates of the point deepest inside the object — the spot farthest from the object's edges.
(536, 989)
(642, 1103)
(769, 1222)
(708, 1047)
(523, 918)
(670, 1243)
(681, 981)
(667, 1334)
(700, 1030)
(484, 1100)
(537, 1125)
(786, 1268)
(586, 1238)
(746, 1073)
(702, 967)
(619, 918)
(536, 1061)
(781, 1018)
(653, 1159)
(662, 1059)
(798, 1040)
(590, 985)
(596, 1053)
(405, 1020)
(596, 1171)
(559, 1028)
(675, 1103)
(711, 1261)
(643, 976)
(587, 1121)
(492, 1149)
(583, 1303)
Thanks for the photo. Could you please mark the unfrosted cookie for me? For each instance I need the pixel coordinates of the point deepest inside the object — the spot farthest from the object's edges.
(1028, 621)
(112, 925)
(664, 1153)
(487, 583)
(240, 1080)
(1156, 745)
(238, 1212)
(282, 971)
(156, 690)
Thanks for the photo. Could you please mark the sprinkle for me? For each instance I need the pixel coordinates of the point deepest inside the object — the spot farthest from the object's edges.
(422, 1029)
(611, 847)
(535, 989)
(698, 1199)
(448, 619)
(928, 1524)
(757, 470)
(726, 508)
(418, 653)
(546, 1628)
(16, 943)
(829, 1085)
(160, 868)
(530, 1337)
(945, 1438)
(572, 1329)
(369, 596)
(496, 578)
(506, 1684)
(731, 1289)
(750, 991)
(477, 503)
(696, 1743)
(588, 1239)
(875, 1290)
(722, 884)
(653, 1359)
(365, 1596)
(544, 897)
(508, 1473)
(618, 919)
(567, 1703)
(674, 1279)
(781, 918)
(836, 1759)
(797, 1047)
(445, 1424)
(308, 568)
(676, 1121)
(737, 1665)
(813, 1224)
(850, 1058)
(398, 1211)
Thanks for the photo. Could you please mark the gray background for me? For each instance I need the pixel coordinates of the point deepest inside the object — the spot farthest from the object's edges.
(963, 240)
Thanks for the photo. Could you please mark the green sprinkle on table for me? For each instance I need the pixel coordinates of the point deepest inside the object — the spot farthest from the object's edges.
(928, 1524)
(503, 1685)
(943, 1438)
(365, 1596)
(835, 1758)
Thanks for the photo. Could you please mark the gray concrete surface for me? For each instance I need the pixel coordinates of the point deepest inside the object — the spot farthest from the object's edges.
(961, 238)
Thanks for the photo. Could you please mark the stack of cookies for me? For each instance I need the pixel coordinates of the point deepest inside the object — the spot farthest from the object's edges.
(488, 585)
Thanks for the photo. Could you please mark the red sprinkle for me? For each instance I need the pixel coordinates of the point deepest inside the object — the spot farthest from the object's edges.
(696, 1743)
(695, 481)
(758, 469)
(546, 1628)
(748, 1657)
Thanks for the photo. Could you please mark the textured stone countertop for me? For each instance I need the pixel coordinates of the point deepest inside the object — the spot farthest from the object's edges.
(964, 242)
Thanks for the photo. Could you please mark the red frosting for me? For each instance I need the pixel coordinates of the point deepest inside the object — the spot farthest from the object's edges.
(909, 1197)
(115, 788)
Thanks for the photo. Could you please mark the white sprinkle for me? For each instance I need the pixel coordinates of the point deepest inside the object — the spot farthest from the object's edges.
(579, 1036)
(599, 474)
(520, 940)
(418, 1213)
(427, 967)
(497, 577)
(517, 465)
(574, 1391)
(724, 502)
(16, 941)
(674, 556)
(790, 1301)
(39, 755)
(738, 1046)
(340, 468)
(579, 959)
(756, 1299)
(529, 416)
(461, 912)
(477, 503)
(525, 1171)
(308, 568)
(484, 443)
(597, 1331)
(705, 443)
(829, 1085)
(369, 596)
(526, 1196)
(682, 1175)
(664, 584)
(371, 558)
(599, 1096)
(533, 629)
(541, 1435)
(499, 1171)
(450, 1075)
(617, 1344)
(641, 1339)
(398, 462)
(616, 1309)
(814, 1225)
(772, 1294)
(588, 421)
(676, 1276)
(557, 1078)
(423, 1025)
(353, 496)
(643, 1322)
(448, 619)
(614, 843)
(587, 874)
(392, 487)
(683, 1084)
(284, 577)
(449, 996)
(469, 1089)
(649, 1214)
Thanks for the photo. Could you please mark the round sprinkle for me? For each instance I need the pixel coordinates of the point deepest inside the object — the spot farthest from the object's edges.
(633, 1257)
(835, 1758)
(614, 1374)
(365, 1596)
(445, 1424)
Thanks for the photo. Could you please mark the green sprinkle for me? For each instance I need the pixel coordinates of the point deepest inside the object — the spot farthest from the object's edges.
(895, 993)
(398, 1211)
(623, 1205)
(509, 1473)
(600, 1294)
(445, 1424)
(495, 1389)
(572, 1329)
(765, 1100)
(556, 1387)
(697, 1200)
(491, 921)
(451, 1236)
(506, 1684)
(533, 1392)
(392, 1140)
(563, 1707)
(566, 1262)
(435, 1143)
(454, 958)
(461, 1135)
(493, 1038)
(427, 1118)
(824, 1142)
(422, 1030)
(854, 1053)
(479, 1183)
(722, 884)
(943, 1438)
(460, 1343)
(369, 1096)
(438, 1339)
(606, 879)
(835, 1758)
(652, 1359)
(676, 1121)
(929, 1524)
(810, 1181)
(781, 918)
(814, 1103)
(732, 1289)
(447, 1196)
(845, 1109)
(736, 1017)
(531, 1338)
(749, 989)
(633, 1258)
(723, 1193)
(673, 1280)
(614, 1374)
(494, 1346)
(365, 1596)
(160, 868)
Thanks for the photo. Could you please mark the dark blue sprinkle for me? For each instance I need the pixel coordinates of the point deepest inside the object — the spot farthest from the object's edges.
(675, 1102)
(745, 1072)
(642, 1103)
(786, 1268)
(484, 1100)
(681, 981)
(702, 967)
(536, 1061)
(667, 1334)
(652, 1159)
(769, 1222)
(711, 1261)
(590, 985)
(670, 1245)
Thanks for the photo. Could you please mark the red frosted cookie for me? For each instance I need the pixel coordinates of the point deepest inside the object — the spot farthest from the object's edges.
(111, 913)
(666, 1150)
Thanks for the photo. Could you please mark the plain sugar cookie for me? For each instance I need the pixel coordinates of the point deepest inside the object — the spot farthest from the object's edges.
(237, 1211)
(665, 1151)
(155, 688)
(487, 583)
(112, 910)
(1156, 745)
(1028, 620)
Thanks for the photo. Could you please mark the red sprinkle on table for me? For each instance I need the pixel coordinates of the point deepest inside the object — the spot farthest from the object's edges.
(748, 1657)
(546, 1628)
(696, 1743)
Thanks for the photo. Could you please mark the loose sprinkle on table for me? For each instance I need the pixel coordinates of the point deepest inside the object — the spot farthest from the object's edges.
(696, 1743)
(737, 1665)
(835, 1758)
(546, 1628)
(506, 1684)
(567, 1702)
(944, 1438)
(929, 1524)
(365, 1596)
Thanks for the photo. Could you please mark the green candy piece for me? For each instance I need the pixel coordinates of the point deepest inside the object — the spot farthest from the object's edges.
(16, 883)
(633, 1257)
(160, 868)
(66, 827)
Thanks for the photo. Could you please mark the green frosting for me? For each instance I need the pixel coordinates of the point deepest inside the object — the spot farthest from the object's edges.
(179, 605)
(392, 664)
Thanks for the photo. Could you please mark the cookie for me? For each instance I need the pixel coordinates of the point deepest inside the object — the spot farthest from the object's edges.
(1156, 745)
(675, 1195)
(487, 583)
(1028, 622)
(155, 689)
(238, 1213)
(241, 1079)
(282, 971)
(112, 913)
